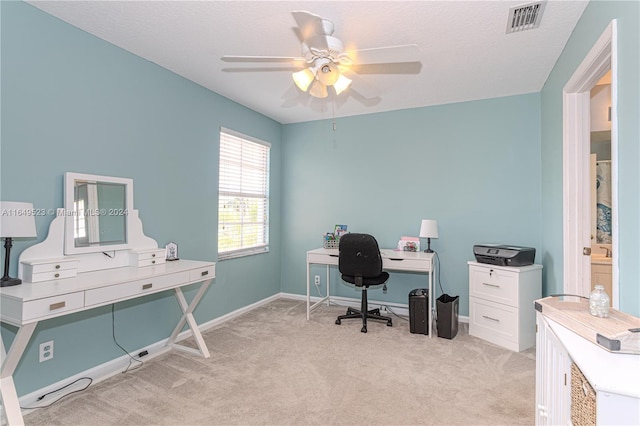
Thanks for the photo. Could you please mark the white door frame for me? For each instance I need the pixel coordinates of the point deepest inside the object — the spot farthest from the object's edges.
(576, 149)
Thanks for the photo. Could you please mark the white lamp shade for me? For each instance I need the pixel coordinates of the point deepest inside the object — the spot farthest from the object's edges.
(429, 228)
(342, 84)
(17, 220)
(303, 79)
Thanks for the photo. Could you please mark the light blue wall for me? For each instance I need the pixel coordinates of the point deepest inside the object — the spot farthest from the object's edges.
(72, 102)
(595, 19)
(474, 166)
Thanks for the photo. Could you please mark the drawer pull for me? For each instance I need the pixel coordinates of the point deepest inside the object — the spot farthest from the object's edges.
(56, 276)
(153, 262)
(491, 319)
(147, 286)
(491, 285)
(54, 306)
(153, 255)
(57, 266)
(204, 273)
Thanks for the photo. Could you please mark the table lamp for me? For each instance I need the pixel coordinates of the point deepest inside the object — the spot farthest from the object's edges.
(429, 230)
(16, 221)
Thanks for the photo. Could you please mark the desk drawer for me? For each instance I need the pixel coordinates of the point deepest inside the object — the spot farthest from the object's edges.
(117, 292)
(324, 259)
(201, 274)
(390, 263)
(492, 321)
(51, 306)
(494, 284)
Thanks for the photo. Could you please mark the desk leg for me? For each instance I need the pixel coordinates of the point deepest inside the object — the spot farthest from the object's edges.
(328, 287)
(432, 301)
(187, 318)
(8, 392)
(308, 295)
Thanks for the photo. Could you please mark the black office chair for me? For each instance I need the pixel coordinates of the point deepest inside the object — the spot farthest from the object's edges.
(360, 263)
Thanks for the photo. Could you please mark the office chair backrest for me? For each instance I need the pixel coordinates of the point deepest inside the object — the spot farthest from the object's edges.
(359, 255)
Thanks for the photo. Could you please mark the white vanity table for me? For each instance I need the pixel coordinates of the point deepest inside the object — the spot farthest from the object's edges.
(57, 284)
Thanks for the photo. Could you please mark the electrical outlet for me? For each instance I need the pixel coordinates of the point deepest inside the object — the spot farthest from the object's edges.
(383, 310)
(46, 351)
(317, 281)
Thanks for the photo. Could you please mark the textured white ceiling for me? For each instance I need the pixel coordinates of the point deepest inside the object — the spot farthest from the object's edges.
(465, 52)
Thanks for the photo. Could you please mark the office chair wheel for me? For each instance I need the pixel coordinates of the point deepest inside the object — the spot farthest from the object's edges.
(338, 322)
(389, 323)
(364, 329)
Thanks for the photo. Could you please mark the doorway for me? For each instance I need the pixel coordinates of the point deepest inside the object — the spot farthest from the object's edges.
(577, 197)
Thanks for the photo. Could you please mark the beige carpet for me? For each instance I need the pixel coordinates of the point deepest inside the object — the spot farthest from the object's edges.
(272, 366)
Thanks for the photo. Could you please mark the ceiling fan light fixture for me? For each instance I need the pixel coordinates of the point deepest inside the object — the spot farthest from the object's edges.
(303, 79)
(342, 84)
(328, 72)
(318, 90)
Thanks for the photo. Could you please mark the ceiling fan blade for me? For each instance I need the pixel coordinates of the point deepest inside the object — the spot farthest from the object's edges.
(231, 58)
(361, 86)
(311, 24)
(386, 55)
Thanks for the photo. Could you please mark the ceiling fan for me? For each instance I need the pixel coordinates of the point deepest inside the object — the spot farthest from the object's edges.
(325, 64)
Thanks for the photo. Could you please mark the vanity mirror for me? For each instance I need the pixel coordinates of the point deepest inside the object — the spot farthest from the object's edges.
(96, 212)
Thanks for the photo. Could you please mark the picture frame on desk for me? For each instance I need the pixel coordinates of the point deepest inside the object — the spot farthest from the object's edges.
(171, 251)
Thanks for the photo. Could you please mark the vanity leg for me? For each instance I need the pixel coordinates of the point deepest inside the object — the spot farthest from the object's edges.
(187, 318)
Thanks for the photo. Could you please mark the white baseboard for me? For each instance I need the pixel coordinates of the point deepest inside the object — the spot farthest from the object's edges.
(118, 365)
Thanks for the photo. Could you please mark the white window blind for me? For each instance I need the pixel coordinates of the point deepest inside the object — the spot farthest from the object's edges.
(243, 203)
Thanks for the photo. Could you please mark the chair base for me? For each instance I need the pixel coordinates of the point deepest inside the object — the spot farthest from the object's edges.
(364, 313)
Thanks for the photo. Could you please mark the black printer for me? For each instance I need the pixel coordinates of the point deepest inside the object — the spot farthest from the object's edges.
(504, 255)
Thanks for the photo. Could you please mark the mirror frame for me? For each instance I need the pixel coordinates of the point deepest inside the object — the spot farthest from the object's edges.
(70, 179)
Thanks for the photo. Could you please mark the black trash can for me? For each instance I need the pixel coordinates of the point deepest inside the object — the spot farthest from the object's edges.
(419, 311)
(447, 310)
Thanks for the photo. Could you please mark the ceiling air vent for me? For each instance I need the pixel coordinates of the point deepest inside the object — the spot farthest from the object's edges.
(525, 17)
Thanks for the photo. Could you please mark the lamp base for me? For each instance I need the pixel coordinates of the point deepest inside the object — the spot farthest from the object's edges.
(8, 281)
(429, 251)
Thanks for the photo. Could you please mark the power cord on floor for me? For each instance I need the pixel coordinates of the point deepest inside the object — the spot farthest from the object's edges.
(113, 333)
(40, 398)
(388, 309)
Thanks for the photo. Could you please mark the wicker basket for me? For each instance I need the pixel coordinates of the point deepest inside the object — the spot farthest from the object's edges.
(583, 399)
(331, 244)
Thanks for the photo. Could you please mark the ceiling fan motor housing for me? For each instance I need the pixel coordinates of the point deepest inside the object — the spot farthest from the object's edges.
(321, 46)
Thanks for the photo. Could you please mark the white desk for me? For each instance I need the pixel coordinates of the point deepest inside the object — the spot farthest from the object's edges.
(392, 260)
(29, 303)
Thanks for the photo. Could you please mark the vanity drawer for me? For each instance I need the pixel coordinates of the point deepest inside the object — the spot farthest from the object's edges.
(117, 292)
(51, 306)
(494, 284)
(47, 270)
(202, 274)
(493, 321)
(150, 257)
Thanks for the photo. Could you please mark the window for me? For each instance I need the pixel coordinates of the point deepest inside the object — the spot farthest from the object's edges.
(243, 201)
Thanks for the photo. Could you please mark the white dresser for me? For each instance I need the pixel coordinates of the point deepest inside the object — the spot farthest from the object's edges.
(501, 308)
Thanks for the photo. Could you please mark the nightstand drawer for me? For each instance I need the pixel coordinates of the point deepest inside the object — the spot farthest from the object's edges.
(492, 321)
(494, 284)
(52, 305)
